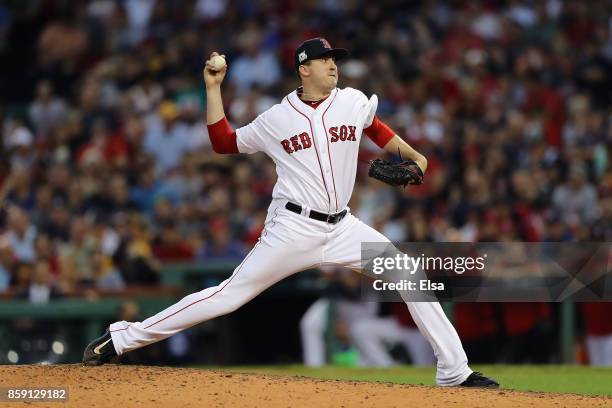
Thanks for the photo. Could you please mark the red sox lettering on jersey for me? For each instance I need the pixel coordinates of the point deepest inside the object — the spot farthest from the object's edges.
(303, 140)
(342, 133)
(297, 143)
(315, 150)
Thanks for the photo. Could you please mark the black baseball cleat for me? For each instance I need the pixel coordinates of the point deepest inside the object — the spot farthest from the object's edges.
(478, 380)
(100, 351)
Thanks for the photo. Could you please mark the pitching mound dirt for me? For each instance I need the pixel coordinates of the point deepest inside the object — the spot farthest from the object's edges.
(133, 386)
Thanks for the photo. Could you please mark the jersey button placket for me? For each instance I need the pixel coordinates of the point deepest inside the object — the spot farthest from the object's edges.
(318, 147)
(323, 142)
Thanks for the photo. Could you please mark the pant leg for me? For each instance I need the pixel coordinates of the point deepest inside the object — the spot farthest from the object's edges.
(607, 350)
(281, 251)
(594, 350)
(599, 349)
(419, 349)
(312, 331)
(344, 248)
(371, 336)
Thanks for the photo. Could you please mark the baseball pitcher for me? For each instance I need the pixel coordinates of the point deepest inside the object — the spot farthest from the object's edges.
(313, 137)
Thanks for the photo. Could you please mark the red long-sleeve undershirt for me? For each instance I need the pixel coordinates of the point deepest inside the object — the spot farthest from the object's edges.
(223, 137)
(379, 132)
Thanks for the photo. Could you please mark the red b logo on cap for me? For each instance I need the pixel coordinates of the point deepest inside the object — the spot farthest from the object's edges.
(325, 43)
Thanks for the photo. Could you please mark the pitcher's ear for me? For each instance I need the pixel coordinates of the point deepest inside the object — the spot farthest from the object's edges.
(303, 70)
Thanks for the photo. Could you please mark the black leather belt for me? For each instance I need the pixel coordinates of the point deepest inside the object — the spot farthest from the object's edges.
(315, 215)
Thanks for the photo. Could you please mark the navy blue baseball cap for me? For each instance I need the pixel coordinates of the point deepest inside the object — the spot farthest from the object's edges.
(316, 48)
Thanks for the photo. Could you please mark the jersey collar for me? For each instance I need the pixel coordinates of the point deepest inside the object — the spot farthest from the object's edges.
(306, 109)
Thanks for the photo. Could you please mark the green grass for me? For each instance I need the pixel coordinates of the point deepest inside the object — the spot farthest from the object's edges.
(560, 379)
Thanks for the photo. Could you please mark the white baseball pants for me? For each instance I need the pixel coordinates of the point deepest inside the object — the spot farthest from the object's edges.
(372, 337)
(599, 349)
(316, 319)
(291, 243)
(312, 332)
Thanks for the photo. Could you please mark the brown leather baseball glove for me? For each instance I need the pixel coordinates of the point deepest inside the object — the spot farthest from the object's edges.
(401, 174)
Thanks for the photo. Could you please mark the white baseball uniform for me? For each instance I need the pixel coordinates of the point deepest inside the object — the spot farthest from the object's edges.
(315, 152)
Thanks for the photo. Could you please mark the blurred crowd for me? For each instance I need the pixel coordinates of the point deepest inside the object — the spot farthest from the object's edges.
(107, 171)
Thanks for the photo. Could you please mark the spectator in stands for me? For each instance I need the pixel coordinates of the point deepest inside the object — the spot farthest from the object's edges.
(58, 225)
(167, 139)
(602, 231)
(70, 278)
(80, 248)
(94, 152)
(187, 183)
(41, 288)
(148, 190)
(43, 201)
(21, 234)
(22, 277)
(169, 245)
(46, 252)
(256, 65)
(46, 111)
(6, 264)
(556, 230)
(21, 193)
(19, 141)
(114, 198)
(134, 255)
(221, 245)
(107, 237)
(105, 274)
(576, 200)
(59, 176)
(146, 95)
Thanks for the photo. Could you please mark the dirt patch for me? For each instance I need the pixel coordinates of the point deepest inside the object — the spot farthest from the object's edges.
(133, 386)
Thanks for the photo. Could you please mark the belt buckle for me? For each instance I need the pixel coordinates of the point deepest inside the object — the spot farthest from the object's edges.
(333, 218)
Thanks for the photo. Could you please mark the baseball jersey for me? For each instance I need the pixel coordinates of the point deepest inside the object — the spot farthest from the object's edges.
(315, 150)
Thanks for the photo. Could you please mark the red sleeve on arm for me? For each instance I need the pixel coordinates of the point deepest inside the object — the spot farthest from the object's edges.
(379, 132)
(223, 137)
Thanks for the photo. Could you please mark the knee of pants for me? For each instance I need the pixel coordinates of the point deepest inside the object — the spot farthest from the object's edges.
(312, 323)
(232, 307)
(236, 303)
(230, 302)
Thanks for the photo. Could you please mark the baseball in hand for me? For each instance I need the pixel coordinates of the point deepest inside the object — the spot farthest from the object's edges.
(217, 63)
